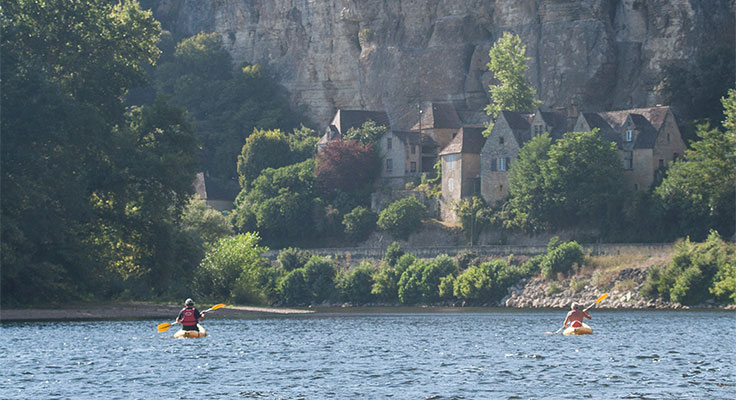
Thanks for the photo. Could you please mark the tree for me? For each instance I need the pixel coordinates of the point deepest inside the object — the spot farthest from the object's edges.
(359, 223)
(368, 133)
(699, 191)
(204, 224)
(263, 149)
(402, 217)
(508, 64)
(527, 202)
(346, 166)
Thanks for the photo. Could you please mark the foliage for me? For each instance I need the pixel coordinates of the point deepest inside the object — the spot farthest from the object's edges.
(485, 283)
(368, 133)
(386, 283)
(393, 253)
(292, 288)
(699, 191)
(697, 272)
(346, 166)
(226, 104)
(319, 276)
(578, 182)
(402, 217)
(356, 284)
(465, 258)
(92, 191)
(447, 287)
(359, 223)
(471, 215)
(420, 282)
(275, 205)
(292, 258)
(262, 149)
(532, 266)
(508, 64)
(561, 259)
(234, 269)
(204, 225)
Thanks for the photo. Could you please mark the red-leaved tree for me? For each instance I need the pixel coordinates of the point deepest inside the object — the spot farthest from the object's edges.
(346, 166)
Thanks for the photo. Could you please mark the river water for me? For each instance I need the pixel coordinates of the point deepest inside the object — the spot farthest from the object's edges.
(486, 354)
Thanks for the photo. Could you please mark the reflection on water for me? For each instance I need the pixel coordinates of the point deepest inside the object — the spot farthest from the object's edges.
(480, 355)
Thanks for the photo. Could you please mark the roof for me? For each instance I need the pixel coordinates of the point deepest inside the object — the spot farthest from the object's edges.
(647, 134)
(346, 119)
(438, 116)
(469, 140)
(655, 116)
(518, 122)
(596, 121)
(556, 123)
(474, 118)
(407, 137)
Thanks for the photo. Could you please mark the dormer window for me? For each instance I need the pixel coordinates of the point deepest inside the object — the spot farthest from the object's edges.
(500, 140)
(629, 135)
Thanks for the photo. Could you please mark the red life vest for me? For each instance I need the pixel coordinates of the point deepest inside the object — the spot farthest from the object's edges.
(187, 317)
(576, 324)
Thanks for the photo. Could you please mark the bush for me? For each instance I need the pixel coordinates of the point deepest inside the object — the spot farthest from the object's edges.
(319, 276)
(359, 223)
(447, 287)
(393, 253)
(532, 266)
(561, 259)
(402, 217)
(356, 285)
(293, 289)
(386, 283)
(420, 282)
(464, 259)
(487, 282)
(724, 283)
(293, 258)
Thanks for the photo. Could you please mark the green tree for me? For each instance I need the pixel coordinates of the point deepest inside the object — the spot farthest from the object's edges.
(402, 217)
(359, 223)
(355, 285)
(368, 133)
(508, 64)
(699, 191)
(528, 198)
(263, 149)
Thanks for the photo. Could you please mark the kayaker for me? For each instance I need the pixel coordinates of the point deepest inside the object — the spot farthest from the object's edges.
(576, 315)
(189, 316)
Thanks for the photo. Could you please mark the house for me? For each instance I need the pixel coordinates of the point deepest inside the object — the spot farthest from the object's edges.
(344, 120)
(648, 139)
(400, 158)
(510, 131)
(461, 166)
(438, 124)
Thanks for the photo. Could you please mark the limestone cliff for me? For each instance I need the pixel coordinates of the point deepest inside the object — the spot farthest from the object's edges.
(392, 54)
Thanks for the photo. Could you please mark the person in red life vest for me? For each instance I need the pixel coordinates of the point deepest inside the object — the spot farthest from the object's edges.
(189, 316)
(576, 315)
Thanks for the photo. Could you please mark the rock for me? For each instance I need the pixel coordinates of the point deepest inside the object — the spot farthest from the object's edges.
(388, 55)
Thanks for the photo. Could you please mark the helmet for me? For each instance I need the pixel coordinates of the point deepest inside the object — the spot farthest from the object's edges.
(189, 302)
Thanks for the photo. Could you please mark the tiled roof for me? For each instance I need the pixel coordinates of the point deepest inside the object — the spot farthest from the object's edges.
(356, 118)
(438, 116)
(469, 140)
(596, 121)
(655, 116)
(556, 123)
(647, 134)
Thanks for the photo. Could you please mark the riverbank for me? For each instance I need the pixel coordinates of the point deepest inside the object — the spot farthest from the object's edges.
(132, 310)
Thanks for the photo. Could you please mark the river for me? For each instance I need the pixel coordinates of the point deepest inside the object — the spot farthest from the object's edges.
(482, 354)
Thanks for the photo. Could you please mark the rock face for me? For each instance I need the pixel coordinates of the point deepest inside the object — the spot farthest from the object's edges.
(393, 54)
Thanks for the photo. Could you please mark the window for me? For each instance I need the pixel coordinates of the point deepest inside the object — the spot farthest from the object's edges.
(500, 140)
(413, 149)
(502, 164)
(661, 163)
(668, 138)
(389, 164)
(629, 135)
(538, 130)
(636, 187)
(389, 143)
(628, 160)
(450, 184)
(413, 166)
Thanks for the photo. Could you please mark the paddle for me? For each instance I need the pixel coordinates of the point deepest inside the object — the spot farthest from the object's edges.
(166, 325)
(589, 307)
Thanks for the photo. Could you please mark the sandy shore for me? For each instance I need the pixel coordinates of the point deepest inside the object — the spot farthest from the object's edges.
(132, 310)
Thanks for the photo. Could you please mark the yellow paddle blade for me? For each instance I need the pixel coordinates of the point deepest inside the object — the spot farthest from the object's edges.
(601, 298)
(216, 306)
(164, 327)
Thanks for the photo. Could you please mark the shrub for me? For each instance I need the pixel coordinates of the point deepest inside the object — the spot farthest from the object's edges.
(356, 285)
(553, 289)
(293, 258)
(386, 283)
(532, 266)
(447, 287)
(359, 223)
(319, 276)
(464, 259)
(577, 285)
(561, 259)
(420, 282)
(724, 283)
(293, 289)
(486, 282)
(402, 217)
(393, 253)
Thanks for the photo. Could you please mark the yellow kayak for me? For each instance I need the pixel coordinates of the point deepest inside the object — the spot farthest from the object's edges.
(581, 330)
(181, 333)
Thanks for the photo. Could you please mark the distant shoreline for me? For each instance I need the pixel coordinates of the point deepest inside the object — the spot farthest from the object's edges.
(165, 312)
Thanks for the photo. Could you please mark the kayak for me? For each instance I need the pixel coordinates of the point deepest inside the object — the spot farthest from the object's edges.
(581, 330)
(181, 333)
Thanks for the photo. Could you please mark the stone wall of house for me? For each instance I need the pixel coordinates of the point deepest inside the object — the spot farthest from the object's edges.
(452, 182)
(669, 143)
(494, 185)
(642, 175)
(393, 54)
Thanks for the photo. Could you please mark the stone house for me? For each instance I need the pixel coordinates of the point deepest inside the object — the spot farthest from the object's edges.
(461, 166)
(344, 120)
(437, 125)
(400, 158)
(510, 131)
(648, 139)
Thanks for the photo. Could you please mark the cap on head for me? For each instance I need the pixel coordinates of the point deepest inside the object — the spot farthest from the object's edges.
(189, 302)
(575, 306)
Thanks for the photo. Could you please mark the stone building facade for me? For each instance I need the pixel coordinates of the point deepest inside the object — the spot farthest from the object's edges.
(400, 158)
(461, 166)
